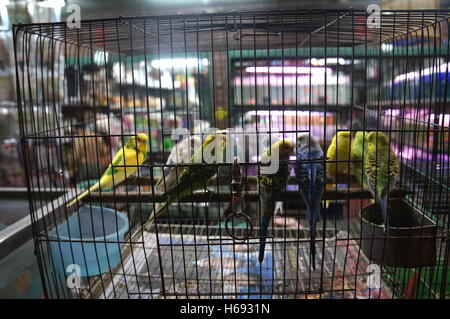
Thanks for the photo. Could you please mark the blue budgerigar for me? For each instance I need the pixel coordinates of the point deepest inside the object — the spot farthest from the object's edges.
(310, 172)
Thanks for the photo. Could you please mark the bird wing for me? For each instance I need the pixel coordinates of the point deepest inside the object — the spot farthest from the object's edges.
(304, 182)
(358, 147)
(190, 179)
(331, 154)
(301, 169)
(122, 166)
(393, 165)
(170, 180)
(114, 167)
(267, 199)
(181, 154)
(374, 168)
(371, 165)
(187, 175)
(374, 160)
(319, 182)
(163, 179)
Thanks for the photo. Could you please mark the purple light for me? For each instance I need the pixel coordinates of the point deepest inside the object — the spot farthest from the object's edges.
(393, 112)
(410, 153)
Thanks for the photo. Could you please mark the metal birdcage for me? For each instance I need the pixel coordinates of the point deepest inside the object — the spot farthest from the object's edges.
(84, 92)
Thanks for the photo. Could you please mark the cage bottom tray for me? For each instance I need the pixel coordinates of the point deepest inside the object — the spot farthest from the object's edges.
(217, 268)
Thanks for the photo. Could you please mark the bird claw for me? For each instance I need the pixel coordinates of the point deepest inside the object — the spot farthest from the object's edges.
(279, 210)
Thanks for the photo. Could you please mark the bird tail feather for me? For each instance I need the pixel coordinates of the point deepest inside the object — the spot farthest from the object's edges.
(329, 187)
(155, 214)
(312, 243)
(84, 194)
(262, 237)
(384, 211)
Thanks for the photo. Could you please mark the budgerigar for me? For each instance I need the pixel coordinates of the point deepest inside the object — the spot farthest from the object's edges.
(271, 185)
(338, 156)
(358, 152)
(181, 153)
(193, 177)
(310, 172)
(381, 168)
(124, 164)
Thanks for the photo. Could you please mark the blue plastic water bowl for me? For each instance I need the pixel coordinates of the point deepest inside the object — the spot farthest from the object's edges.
(90, 239)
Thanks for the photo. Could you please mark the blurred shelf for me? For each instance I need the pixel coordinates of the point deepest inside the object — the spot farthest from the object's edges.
(301, 107)
(170, 109)
(148, 89)
(75, 109)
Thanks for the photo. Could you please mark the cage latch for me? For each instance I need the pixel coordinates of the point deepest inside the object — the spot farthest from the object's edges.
(237, 198)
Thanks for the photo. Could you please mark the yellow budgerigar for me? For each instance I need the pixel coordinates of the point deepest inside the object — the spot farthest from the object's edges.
(338, 156)
(124, 164)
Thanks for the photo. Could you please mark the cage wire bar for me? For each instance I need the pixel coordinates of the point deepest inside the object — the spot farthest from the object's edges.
(83, 93)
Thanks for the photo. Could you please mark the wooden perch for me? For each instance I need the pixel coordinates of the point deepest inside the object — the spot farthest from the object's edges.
(251, 196)
(226, 180)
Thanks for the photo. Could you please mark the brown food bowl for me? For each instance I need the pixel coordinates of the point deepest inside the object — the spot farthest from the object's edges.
(411, 241)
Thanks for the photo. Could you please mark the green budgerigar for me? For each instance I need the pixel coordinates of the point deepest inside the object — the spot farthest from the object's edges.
(193, 177)
(271, 186)
(381, 168)
(180, 155)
